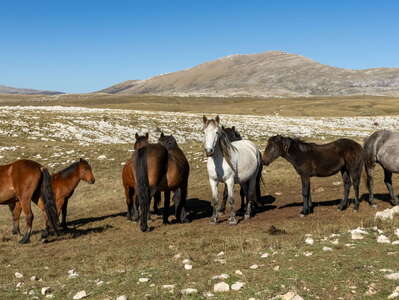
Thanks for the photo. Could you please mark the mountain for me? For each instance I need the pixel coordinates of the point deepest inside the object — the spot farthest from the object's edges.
(11, 90)
(268, 74)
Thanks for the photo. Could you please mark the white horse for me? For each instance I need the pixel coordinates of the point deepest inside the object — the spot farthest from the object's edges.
(230, 162)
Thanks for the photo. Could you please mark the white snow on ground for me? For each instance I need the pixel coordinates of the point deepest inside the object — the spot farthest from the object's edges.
(117, 126)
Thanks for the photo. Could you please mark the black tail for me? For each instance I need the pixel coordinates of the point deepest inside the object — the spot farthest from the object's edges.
(143, 187)
(49, 199)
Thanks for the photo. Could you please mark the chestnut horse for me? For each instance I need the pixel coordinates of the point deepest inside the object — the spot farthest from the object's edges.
(26, 180)
(157, 169)
(64, 184)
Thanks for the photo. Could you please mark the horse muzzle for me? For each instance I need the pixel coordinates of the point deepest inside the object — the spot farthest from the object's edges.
(209, 153)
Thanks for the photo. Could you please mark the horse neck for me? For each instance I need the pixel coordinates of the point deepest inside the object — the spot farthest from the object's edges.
(71, 181)
(293, 155)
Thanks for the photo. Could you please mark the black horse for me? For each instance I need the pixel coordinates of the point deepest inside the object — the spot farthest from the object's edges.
(310, 160)
(233, 135)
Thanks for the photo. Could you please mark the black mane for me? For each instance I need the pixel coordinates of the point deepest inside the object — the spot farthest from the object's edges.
(68, 171)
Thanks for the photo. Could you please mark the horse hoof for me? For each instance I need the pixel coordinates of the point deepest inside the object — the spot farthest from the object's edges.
(24, 241)
(186, 220)
(247, 217)
(166, 223)
(302, 215)
(233, 221)
(14, 232)
(213, 220)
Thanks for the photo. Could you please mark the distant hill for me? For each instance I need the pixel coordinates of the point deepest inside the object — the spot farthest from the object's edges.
(266, 74)
(12, 90)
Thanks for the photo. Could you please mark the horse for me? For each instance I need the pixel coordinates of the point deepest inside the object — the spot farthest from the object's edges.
(157, 169)
(64, 184)
(314, 160)
(381, 148)
(129, 182)
(230, 162)
(233, 135)
(26, 180)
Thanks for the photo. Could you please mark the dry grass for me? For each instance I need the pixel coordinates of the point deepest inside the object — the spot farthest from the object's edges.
(104, 245)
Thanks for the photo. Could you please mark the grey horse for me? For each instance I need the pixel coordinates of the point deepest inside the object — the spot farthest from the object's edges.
(381, 147)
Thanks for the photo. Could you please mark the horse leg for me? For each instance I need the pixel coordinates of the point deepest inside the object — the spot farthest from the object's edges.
(355, 176)
(347, 186)
(388, 183)
(166, 204)
(222, 207)
(243, 194)
(230, 199)
(305, 195)
(129, 203)
(135, 208)
(180, 204)
(64, 214)
(26, 208)
(157, 201)
(370, 184)
(214, 190)
(15, 208)
(251, 197)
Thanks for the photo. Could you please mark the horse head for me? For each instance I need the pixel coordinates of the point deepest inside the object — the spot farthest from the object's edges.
(212, 131)
(168, 141)
(141, 141)
(276, 146)
(85, 171)
(231, 133)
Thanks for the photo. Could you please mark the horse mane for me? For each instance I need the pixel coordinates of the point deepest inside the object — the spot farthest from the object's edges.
(68, 171)
(300, 144)
(226, 147)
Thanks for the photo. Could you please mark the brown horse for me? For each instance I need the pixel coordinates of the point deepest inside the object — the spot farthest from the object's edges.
(26, 180)
(313, 160)
(64, 184)
(157, 168)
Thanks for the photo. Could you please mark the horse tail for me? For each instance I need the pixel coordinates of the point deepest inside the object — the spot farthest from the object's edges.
(143, 187)
(49, 199)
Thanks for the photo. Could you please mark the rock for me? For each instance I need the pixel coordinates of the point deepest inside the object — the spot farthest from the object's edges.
(209, 295)
(189, 291)
(264, 255)
(319, 190)
(221, 287)
(308, 253)
(237, 286)
(395, 293)
(177, 256)
(122, 297)
(386, 214)
(80, 295)
(168, 286)
(238, 272)
(288, 296)
(395, 242)
(221, 253)
(31, 292)
(335, 242)
(18, 275)
(188, 267)
(392, 276)
(276, 268)
(187, 261)
(278, 193)
(221, 276)
(309, 241)
(371, 290)
(46, 290)
(72, 274)
(382, 239)
(220, 260)
(386, 270)
(396, 232)
(101, 157)
(327, 249)
(337, 183)
(254, 267)
(19, 284)
(99, 282)
(144, 279)
(50, 296)
(357, 234)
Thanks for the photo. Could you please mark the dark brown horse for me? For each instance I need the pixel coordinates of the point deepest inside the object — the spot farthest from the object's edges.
(26, 180)
(313, 160)
(158, 169)
(64, 184)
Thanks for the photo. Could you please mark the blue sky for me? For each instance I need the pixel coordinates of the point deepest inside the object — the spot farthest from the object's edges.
(83, 46)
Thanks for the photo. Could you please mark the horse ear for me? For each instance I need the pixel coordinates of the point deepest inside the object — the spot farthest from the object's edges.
(223, 127)
(80, 159)
(217, 119)
(286, 144)
(204, 119)
(162, 135)
(234, 128)
(136, 135)
(146, 136)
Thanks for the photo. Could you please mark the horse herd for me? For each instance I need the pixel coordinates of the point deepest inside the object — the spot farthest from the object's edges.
(163, 167)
